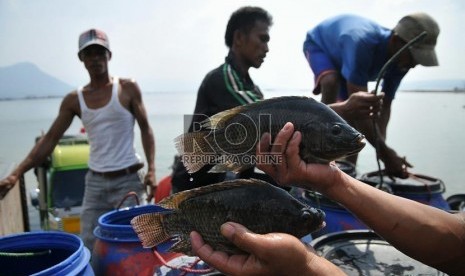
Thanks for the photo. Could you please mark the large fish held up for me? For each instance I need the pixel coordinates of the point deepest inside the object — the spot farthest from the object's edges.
(228, 139)
(258, 205)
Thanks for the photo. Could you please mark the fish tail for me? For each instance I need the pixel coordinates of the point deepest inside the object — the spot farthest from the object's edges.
(149, 229)
(195, 149)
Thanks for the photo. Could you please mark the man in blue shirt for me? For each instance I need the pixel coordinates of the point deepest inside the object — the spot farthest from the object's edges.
(347, 51)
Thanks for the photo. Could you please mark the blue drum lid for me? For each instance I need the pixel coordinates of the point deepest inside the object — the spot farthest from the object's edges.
(363, 252)
(456, 202)
(316, 199)
(415, 183)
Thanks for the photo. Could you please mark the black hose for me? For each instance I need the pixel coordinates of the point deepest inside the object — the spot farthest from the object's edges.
(378, 80)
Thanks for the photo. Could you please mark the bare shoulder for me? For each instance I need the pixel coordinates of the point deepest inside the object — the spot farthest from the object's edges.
(71, 101)
(129, 86)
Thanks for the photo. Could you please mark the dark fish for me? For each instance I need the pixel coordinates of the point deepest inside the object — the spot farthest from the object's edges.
(258, 205)
(228, 139)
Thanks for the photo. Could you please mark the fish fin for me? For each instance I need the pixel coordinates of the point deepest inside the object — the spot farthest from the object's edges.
(149, 229)
(219, 119)
(230, 166)
(173, 201)
(191, 146)
(182, 246)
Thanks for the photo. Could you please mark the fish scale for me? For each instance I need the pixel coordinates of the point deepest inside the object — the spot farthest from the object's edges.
(231, 135)
(258, 205)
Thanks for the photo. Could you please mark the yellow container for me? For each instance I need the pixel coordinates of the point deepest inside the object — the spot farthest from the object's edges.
(72, 224)
(70, 156)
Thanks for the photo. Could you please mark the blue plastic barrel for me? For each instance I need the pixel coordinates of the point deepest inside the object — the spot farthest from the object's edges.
(425, 189)
(337, 217)
(118, 250)
(44, 253)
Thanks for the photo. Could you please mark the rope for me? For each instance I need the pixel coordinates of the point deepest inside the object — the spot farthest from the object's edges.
(185, 269)
(134, 194)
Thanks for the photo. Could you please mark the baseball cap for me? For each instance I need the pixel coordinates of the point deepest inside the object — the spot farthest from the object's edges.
(93, 37)
(411, 26)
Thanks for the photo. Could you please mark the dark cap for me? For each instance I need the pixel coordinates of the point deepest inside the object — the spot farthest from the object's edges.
(93, 37)
(411, 26)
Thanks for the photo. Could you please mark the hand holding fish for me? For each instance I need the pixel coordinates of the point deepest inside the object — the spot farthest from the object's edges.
(269, 254)
(402, 222)
(262, 207)
(293, 170)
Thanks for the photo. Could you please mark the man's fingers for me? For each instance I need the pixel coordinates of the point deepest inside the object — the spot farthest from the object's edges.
(215, 258)
(406, 163)
(264, 144)
(241, 236)
(283, 136)
(261, 151)
(205, 251)
(277, 148)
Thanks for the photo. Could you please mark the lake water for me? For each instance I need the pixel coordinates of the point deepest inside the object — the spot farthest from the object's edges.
(427, 127)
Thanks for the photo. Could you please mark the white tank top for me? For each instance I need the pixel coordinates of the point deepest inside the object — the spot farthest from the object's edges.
(110, 130)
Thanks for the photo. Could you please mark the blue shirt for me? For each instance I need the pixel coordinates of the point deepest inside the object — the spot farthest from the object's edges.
(357, 48)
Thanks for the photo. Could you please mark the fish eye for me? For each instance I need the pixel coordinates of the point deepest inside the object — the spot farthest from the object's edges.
(336, 130)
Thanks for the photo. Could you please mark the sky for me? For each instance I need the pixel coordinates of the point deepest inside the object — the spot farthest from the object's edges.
(169, 45)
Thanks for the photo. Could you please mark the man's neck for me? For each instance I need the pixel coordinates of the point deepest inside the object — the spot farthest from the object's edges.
(98, 82)
(240, 64)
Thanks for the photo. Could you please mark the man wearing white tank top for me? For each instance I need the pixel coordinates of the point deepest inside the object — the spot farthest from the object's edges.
(108, 108)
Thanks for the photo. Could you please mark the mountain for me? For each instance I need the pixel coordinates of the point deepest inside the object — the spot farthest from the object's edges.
(25, 80)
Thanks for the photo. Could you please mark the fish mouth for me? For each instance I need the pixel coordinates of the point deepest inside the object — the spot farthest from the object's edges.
(359, 143)
(318, 217)
(352, 147)
(321, 215)
(321, 218)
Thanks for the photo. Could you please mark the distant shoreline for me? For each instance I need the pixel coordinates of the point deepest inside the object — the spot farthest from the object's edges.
(456, 90)
(30, 98)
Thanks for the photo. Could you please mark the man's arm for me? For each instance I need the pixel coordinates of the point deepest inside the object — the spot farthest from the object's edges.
(147, 136)
(268, 254)
(416, 229)
(46, 144)
(376, 135)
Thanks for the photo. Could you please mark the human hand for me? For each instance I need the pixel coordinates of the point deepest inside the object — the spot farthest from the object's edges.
(291, 170)
(269, 254)
(150, 182)
(6, 184)
(395, 165)
(362, 105)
